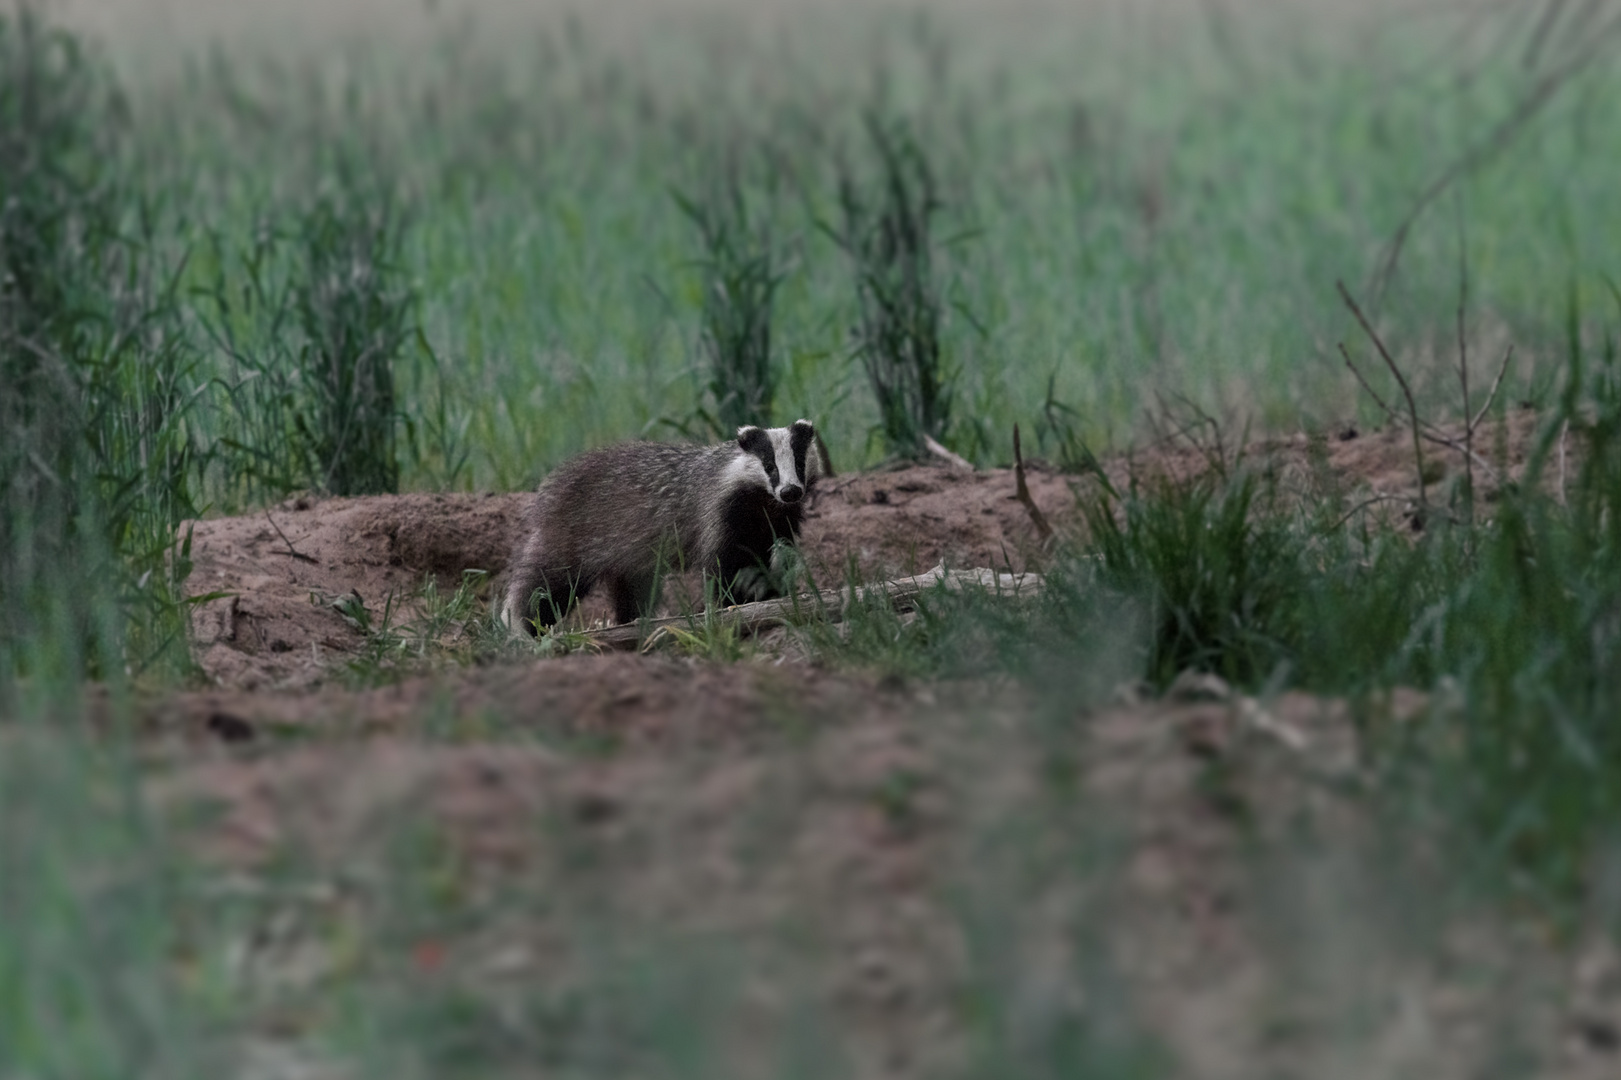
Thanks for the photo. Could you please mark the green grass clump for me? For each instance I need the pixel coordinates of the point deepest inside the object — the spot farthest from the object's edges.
(1218, 571)
(416, 633)
(99, 929)
(99, 459)
(887, 230)
(312, 316)
(741, 275)
(1510, 621)
(1132, 234)
(355, 315)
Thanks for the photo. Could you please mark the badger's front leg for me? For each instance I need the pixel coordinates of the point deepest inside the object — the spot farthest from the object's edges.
(633, 595)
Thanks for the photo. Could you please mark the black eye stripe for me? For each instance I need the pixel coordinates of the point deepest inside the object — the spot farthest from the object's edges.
(799, 441)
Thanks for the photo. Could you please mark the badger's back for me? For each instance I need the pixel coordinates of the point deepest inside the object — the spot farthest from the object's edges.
(625, 506)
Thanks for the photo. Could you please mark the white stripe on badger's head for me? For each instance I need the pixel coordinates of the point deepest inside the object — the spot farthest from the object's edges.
(777, 458)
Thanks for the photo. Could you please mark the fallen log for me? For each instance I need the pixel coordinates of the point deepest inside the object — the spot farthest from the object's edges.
(831, 606)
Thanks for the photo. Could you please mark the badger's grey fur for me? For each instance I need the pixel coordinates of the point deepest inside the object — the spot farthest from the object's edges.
(621, 515)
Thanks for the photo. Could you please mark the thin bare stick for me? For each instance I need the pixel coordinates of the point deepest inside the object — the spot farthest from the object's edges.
(1562, 434)
(1463, 367)
(1496, 140)
(1044, 530)
(1428, 431)
(1441, 438)
(1394, 416)
(1361, 506)
(1492, 396)
(294, 552)
(1407, 391)
(954, 460)
(1215, 451)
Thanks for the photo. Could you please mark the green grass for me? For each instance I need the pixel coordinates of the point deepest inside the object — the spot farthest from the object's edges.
(741, 273)
(100, 452)
(100, 917)
(887, 227)
(1511, 620)
(1128, 207)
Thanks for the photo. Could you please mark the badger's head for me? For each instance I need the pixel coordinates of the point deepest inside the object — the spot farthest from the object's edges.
(782, 459)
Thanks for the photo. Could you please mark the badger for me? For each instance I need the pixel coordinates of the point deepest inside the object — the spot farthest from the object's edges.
(622, 515)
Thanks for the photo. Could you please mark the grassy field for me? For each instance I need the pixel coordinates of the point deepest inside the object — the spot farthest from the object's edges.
(1136, 201)
(438, 248)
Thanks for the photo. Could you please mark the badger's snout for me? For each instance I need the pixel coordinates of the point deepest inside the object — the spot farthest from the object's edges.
(790, 493)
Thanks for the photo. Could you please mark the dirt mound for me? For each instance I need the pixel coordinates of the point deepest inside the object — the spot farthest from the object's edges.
(1350, 461)
(283, 568)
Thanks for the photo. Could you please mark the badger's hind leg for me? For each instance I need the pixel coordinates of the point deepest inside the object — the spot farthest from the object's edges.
(633, 595)
(537, 599)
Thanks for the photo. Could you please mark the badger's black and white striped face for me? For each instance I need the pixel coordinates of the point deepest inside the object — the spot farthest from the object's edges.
(779, 459)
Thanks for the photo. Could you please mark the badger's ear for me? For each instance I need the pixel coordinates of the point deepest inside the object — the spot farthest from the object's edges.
(800, 434)
(802, 438)
(753, 439)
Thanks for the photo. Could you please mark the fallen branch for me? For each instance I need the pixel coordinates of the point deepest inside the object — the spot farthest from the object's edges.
(902, 594)
(954, 460)
(1044, 530)
(291, 550)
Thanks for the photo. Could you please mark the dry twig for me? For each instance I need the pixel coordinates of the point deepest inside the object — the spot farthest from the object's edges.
(1491, 396)
(1407, 391)
(294, 552)
(1463, 369)
(1563, 433)
(1428, 431)
(1595, 41)
(1361, 506)
(1043, 529)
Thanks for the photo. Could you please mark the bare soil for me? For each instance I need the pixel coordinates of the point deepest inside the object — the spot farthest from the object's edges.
(1240, 910)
